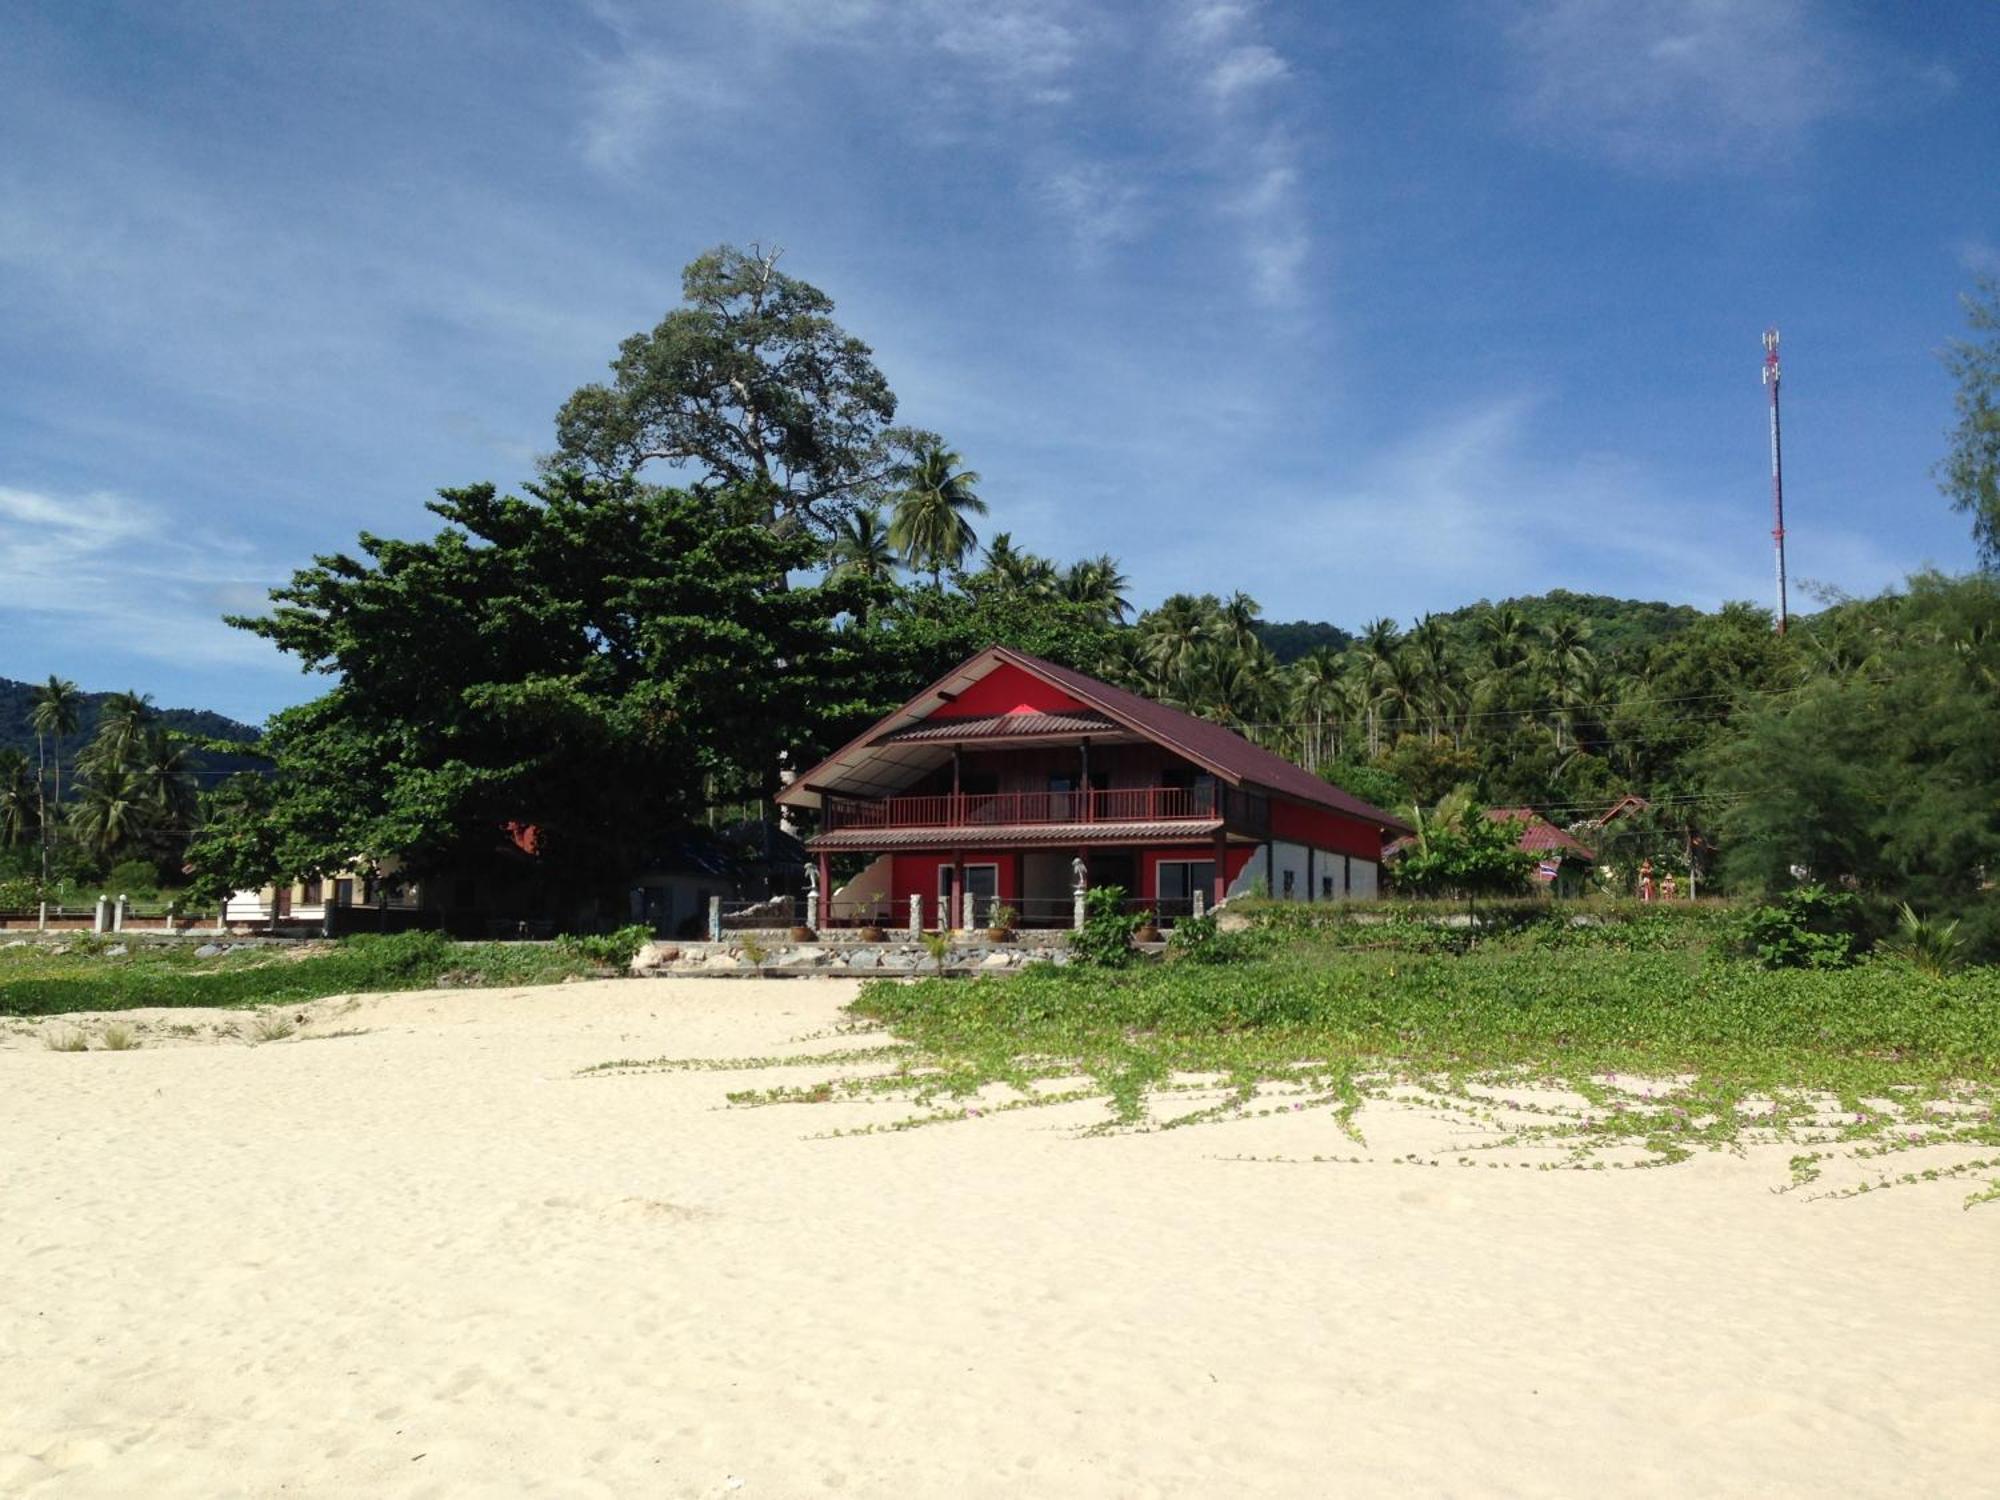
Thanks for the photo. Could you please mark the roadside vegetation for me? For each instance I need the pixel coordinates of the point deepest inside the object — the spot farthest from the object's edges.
(38, 981)
(1666, 1029)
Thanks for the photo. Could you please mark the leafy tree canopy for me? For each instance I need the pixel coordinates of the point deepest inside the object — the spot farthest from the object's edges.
(751, 388)
(542, 691)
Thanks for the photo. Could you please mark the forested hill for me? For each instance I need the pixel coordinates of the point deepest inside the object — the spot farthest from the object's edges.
(1615, 624)
(17, 700)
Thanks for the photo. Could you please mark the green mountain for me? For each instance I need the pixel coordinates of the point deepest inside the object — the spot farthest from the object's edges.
(17, 700)
(1616, 625)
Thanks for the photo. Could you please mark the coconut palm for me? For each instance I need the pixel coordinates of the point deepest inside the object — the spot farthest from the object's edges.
(1096, 583)
(929, 527)
(1319, 701)
(57, 711)
(1170, 635)
(1376, 647)
(166, 778)
(1238, 618)
(861, 546)
(1019, 571)
(112, 812)
(123, 721)
(20, 799)
(1561, 654)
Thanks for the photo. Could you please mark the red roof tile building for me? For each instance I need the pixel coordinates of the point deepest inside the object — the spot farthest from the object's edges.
(994, 779)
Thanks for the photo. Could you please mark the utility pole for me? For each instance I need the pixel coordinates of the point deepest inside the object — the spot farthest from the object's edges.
(1777, 470)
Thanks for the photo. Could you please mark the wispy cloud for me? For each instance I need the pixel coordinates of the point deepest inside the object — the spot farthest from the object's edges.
(1679, 84)
(1254, 149)
(117, 573)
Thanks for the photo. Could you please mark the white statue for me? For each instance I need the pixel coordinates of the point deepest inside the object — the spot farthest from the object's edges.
(1079, 874)
(812, 893)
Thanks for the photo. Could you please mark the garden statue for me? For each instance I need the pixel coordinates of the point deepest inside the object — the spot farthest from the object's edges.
(1079, 874)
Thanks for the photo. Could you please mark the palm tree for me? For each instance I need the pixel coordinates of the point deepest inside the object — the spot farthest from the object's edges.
(57, 711)
(1238, 620)
(123, 722)
(112, 812)
(1170, 635)
(20, 799)
(1377, 645)
(1022, 572)
(861, 546)
(929, 527)
(1563, 654)
(1096, 583)
(166, 779)
(1319, 698)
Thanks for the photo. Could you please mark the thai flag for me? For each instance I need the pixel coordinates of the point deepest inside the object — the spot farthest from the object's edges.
(1548, 868)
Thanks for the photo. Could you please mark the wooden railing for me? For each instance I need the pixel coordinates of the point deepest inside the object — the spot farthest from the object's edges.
(1139, 804)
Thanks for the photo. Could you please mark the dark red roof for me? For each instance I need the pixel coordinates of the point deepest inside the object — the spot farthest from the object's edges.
(1540, 836)
(1221, 750)
(999, 726)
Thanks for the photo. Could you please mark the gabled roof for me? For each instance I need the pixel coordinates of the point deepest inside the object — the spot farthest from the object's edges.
(1539, 835)
(887, 756)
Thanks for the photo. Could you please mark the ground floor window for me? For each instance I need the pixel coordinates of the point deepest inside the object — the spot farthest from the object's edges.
(1179, 879)
(983, 881)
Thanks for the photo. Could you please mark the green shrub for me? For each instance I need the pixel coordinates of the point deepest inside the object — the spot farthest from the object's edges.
(613, 949)
(1808, 928)
(1926, 943)
(130, 876)
(1104, 941)
(1199, 940)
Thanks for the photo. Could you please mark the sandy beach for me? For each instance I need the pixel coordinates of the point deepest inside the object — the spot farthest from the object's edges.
(409, 1251)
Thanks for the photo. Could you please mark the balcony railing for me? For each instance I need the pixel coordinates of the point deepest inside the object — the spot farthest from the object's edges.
(1139, 804)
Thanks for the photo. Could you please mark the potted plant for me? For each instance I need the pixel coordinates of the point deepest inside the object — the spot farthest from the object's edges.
(1148, 930)
(873, 933)
(804, 934)
(1000, 923)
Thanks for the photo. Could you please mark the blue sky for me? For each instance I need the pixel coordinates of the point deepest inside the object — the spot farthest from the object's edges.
(1365, 309)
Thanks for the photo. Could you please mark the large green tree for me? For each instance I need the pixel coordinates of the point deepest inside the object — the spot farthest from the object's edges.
(1889, 781)
(929, 526)
(751, 388)
(543, 692)
(1970, 472)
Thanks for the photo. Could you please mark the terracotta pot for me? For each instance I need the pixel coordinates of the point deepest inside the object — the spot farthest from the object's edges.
(874, 935)
(1147, 934)
(804, 935)
(1000, 934)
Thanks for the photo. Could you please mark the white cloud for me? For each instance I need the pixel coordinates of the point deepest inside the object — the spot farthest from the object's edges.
(1678, 84)
(1979, 256)
(117, 574)
(1243, 69)
(1103, 204)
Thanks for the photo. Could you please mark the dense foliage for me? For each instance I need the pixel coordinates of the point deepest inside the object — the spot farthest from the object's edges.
(38, 981)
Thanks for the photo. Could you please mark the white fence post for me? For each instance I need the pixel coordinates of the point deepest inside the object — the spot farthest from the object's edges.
(100, 916)
(120, 912)
(967, 905)
(916, 914)
(1200, 903)
(1076, 916)
(222, 915)
(715, 919)
(42, 916)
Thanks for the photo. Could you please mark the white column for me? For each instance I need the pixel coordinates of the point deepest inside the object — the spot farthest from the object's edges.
(1200, 902)
(916, 915)
(715, 919)
(42, 913)
(1076, 916)
(101, 917)
(119, 912)
(965, 905)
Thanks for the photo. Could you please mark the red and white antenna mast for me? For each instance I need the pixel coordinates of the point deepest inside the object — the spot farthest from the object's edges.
(1777, 469)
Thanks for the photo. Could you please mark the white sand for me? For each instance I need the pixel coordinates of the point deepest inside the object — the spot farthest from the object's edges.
(430, 1260)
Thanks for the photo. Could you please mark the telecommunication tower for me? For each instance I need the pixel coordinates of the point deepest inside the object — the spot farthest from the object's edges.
(1777, 470)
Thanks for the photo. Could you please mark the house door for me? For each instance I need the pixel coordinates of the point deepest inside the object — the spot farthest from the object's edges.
(984, 883)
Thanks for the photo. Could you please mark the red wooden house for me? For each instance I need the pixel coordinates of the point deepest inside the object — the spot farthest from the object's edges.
(998, 776)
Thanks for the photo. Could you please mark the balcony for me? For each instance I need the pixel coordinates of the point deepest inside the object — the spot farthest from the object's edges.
(1116, 805)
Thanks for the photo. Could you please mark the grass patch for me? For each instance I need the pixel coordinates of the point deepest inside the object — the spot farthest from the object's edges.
(1626, 1043)
(118, 1039)
(66, 1041)
(37, 982)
